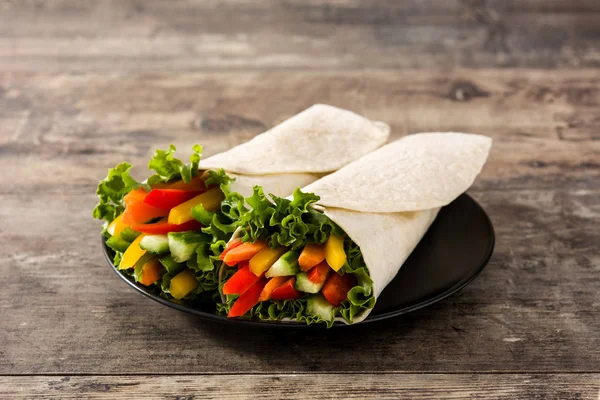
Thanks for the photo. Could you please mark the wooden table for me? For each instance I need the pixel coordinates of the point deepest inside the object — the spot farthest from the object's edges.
(87, 84)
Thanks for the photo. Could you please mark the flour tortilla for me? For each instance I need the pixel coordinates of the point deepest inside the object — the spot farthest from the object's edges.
(300, 150)
(387, 200)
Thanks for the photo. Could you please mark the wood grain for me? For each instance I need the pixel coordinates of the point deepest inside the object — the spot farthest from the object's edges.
(129, 35)
(535, 308)
(322, 386)
(87, 84)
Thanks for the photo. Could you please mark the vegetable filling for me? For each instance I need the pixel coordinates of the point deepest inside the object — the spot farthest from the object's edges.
(291, 261)
(168, 231)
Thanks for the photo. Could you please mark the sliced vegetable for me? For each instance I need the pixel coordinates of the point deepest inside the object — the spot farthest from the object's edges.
(287, 265)
(318, 273)
(133, 254)
(129, 234)
(155, 244)
(151, 272)
(243, 252)
(210, 200)
(117, 244)
(139, 213)
(334, 252)
(166, 199)
(137, 269)
(318, 306)
(230, 246)
(264, 259)
(247, 300)
(134, 196)
(183, 284)
(183, 244)
(305, 285)
(172, 266)
(311, 255)
(117, 226)
(197, 183)
(286, 291)
(241, 281)
(162, 227)
(336, 288)
(271, 285)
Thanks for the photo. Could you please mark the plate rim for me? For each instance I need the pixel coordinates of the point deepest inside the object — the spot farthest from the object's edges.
(291, 325)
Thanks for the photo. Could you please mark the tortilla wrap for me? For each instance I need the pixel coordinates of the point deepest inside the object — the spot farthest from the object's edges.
(387, 200)
(300, 150)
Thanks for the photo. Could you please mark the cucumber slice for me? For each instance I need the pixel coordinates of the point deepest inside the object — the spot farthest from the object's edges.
(155, 244)
(171, 265)
(184, 244)
(318, 306)
(305, 285)
(129, 234)
(117, 244)
(286, 265)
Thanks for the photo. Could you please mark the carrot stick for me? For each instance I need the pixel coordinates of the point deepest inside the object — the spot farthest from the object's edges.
(271, 285)
(243, 252)
(311, 255)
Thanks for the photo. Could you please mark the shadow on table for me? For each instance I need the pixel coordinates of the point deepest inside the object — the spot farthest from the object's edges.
(368, 346)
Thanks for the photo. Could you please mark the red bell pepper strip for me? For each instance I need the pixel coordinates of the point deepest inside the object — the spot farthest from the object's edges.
(336, 288)
(166, 199)
(318, 273)
(287, 291)
(162, 227)
(247, 300)
(241, 281)
(231, 245)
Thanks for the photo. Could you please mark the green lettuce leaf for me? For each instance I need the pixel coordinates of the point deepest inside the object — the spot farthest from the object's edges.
(284, 222)
(168, 168)
(111, 191)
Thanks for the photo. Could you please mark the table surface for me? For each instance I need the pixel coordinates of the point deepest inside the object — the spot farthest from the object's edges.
(87, 84)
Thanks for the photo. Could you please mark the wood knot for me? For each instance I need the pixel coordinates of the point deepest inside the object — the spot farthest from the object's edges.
(465, 91)
(227, 123)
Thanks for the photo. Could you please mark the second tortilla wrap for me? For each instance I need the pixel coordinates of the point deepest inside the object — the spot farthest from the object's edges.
(386, 201)
(317, 141)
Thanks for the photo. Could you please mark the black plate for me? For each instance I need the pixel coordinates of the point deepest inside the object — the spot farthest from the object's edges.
(454, 251)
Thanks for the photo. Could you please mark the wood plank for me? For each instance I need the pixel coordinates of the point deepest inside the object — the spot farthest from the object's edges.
(535, 308)
(127, 35)
(307, 386)
(94, 121)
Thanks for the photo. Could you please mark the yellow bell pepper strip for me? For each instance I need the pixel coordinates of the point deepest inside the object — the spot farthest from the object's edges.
(210, 200)
(334, 252)
(116, 226)
(133, 253)
(183, 284)
(151, 272)
(265, 259)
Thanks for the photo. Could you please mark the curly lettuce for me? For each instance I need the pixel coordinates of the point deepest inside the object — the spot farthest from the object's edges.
(111, 191)
(168, 168)
(284, 222)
